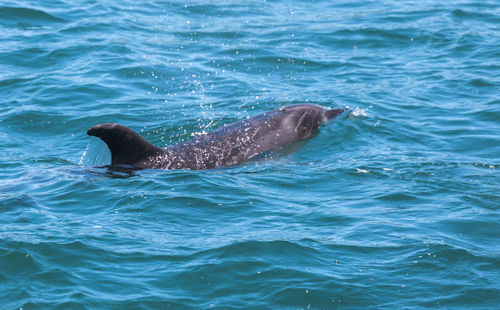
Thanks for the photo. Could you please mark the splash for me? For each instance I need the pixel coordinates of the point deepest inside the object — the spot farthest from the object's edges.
(96, 154)
(356, 112)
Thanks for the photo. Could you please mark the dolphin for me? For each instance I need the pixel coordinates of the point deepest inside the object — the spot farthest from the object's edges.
(226, 146)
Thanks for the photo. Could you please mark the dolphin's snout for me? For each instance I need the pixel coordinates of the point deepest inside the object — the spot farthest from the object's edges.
(331, 114)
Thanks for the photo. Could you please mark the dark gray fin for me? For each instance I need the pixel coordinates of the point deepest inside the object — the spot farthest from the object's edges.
(331, 114)
(126, 146)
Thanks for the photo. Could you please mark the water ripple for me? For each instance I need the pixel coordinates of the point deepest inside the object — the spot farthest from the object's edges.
(393, 205)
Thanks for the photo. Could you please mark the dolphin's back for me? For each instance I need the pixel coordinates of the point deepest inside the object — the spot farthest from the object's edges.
(237, 142)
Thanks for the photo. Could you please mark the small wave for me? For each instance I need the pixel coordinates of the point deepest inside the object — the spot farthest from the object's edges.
(479, 16)
(481, 83)
(26, 15)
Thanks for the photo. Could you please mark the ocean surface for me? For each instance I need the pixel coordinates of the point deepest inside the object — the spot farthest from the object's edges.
(394, 205)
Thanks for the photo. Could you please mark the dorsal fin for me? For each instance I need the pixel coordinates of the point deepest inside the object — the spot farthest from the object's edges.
(126, 146)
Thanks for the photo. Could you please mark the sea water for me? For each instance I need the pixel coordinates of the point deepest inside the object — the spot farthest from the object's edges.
(394, 205)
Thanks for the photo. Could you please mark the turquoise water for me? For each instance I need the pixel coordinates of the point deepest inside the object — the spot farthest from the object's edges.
(393, 205)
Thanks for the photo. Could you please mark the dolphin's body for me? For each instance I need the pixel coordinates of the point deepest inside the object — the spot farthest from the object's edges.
(226, 146)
